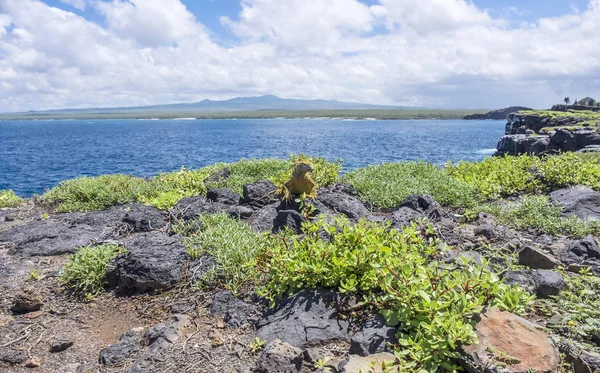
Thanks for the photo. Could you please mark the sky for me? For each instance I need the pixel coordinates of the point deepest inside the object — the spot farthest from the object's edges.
(431, 53)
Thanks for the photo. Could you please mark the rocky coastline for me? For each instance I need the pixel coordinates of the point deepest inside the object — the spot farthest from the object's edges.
(153, 318)
(550, 132)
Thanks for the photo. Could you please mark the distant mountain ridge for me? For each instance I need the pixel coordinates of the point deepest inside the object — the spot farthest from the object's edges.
(266, 102)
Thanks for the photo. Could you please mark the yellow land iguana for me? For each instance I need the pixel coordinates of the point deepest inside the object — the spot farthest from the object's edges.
(301, 181)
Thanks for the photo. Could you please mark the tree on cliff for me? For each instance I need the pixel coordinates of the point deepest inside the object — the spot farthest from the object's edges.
(567, 101)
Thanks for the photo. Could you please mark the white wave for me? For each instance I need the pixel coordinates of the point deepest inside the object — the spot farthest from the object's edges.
(486, 151)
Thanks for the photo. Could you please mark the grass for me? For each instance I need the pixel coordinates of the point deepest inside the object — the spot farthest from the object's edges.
(8, 198)
(85, 272)
(388, 184)
(232, 243)
(165, 190)
(588, 114)
(538, 212)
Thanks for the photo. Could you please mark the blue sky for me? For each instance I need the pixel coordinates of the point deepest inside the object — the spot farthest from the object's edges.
(434, 53)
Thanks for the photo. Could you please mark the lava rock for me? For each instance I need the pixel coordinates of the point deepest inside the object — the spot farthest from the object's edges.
(485, 230)
(218, 176)
(424, 204)
(265, 219)
(404, 216)
(223, 195)
(279, 357)
(127, 346)
(191, 207)
(260, 193)
(61, 343)
(342, 203)
(142, 218)
(373, 337)
(235, 313)
(26, 301)
(513, 336)
(536, 259)
(161, 330)
(579, 201)
(548, 283)
(12, 357)
(522, 278)
(305, 318)
(291, 219)
(154, 261)
(582, 361)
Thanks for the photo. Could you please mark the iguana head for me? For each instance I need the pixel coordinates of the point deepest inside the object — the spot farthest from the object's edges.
(303, 167)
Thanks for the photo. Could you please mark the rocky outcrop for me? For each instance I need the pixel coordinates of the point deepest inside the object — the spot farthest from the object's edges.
(579, 201)
(524, 135)
(496, 114)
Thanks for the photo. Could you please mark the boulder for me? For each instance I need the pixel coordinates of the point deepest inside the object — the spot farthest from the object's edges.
(154, 261)
(223, 195)
(141, 218)
(485, 230)
(581, 253)
(544, 283)
(509, 342)
(265, 218)
(536, 259)
(424, 204)
(373, 337)
(404, 216)
(582, 361)
(127, 346)
(236, 313)
(341, 203)
(304, 319)
(291, 219)
(579, 201)
(218, 176)
(372, 363)
(279, 357)
(260, 193)
(548, 283)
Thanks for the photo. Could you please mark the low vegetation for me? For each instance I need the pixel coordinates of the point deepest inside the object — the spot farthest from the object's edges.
(504, 176)
(538, 212)
(396, 272)
(388, 184)
(165, 190)
(85, 272)
(8, 198)
(233, 245)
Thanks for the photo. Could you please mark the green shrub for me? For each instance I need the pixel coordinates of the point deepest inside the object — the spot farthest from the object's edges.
(96, 193)
(232, 243)
(85, 272)
(503, 176)
(8, 198)
(498, 176)
(539, 212)
(432, 304)
(388, 184)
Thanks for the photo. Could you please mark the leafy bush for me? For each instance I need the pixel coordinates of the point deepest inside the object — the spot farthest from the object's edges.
(388, 184)
(96, 193)
(432, 304)
(85, 272)
(497, 176)
(278, 171)
(539, 212)
(502, 176)
(8, 198)
(232, 243)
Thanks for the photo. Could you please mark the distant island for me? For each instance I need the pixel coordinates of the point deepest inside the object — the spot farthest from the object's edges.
(496, 114)
(267, 106)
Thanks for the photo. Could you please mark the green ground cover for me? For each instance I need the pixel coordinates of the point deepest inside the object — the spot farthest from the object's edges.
(8, 198)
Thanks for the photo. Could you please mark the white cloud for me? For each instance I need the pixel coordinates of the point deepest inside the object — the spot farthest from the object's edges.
(434, 53)
(78, 4)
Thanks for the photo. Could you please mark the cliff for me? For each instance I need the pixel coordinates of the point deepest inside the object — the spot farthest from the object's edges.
(496, 114)
(546, 131)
